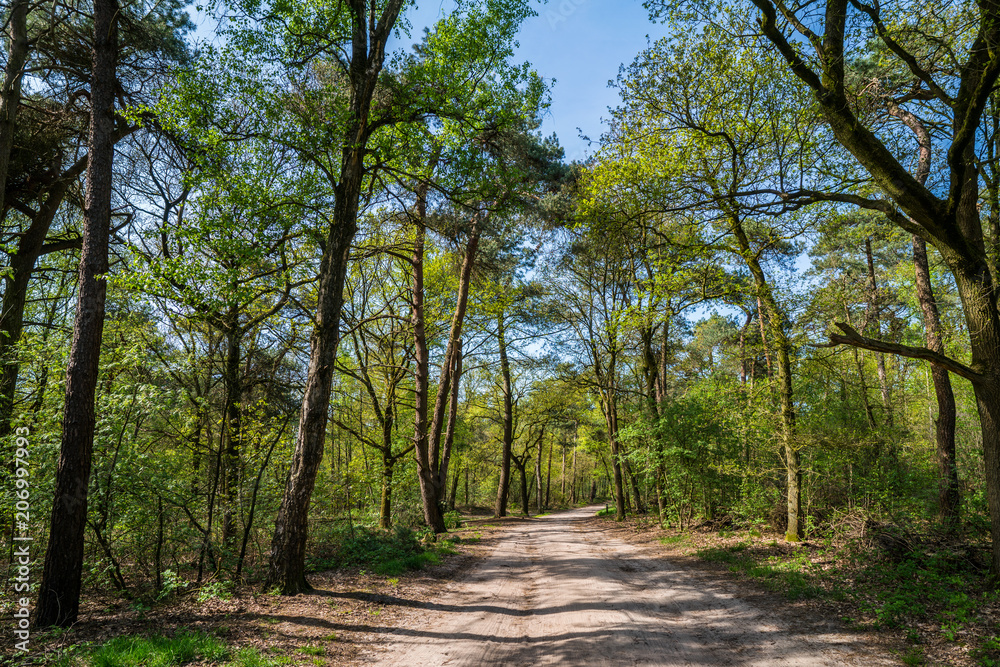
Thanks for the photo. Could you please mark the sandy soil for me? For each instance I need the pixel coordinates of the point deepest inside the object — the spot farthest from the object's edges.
(560, 590)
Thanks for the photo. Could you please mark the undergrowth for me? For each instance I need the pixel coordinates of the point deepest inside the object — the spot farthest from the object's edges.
(383, 552)
(926, 586)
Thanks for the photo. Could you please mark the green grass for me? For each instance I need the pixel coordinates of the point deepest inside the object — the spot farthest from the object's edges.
(251, 657)
(397, 566)
(607, 511)
(159, 651)
(790, 578)
(673, 540)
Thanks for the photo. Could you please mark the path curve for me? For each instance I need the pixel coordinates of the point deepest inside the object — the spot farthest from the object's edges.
(556, 591)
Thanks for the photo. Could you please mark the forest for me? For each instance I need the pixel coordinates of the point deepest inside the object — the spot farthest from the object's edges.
(320, 291)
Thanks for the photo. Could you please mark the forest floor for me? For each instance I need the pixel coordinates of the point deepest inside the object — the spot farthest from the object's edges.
(327, 626)
(567, 588)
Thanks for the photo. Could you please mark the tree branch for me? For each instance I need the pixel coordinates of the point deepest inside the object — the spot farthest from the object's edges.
(854, 339)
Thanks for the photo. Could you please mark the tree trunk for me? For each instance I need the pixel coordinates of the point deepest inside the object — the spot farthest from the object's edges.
(660, 506)
(10, 94)
(949, 495)
(979, 303)
(539, 496)
(573, 481)
(421, 391)
(508, 424)
(640, 506)
(432, 457)
(232, 434)
(548, 478)
(562, 475)
(449, 436)
(286, 567)
(873, 319)
(59, 591)
(385, 504)
(454, 489)
(611, 417)
(30, 246)
(765, 298)
(521, 464)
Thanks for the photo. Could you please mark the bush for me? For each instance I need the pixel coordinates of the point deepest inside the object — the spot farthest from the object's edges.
(386, 553)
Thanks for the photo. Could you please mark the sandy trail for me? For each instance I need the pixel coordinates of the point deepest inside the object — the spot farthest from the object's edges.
(555, 592)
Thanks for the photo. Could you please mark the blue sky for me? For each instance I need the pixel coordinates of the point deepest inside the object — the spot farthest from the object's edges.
(580, 44)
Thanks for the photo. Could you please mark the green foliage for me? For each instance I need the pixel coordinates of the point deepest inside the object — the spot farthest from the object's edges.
(386, 553)
(216, 590)
(920, 582)
(452, 520)
(791, 578)
(158, 651)
(172, 583)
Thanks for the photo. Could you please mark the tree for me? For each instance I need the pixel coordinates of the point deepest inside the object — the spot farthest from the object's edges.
(381, 344)
(369, 30)
(59, 591)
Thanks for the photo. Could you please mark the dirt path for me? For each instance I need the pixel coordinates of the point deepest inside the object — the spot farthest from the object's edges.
(556, 592)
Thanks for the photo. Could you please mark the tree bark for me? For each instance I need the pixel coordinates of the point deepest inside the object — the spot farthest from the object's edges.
(10, 93)
(30, 246)
(949, 495)
(782, 345)
(500, 509)
(521, 463)
(873, 319)
(573, 481)
(59, 591)
(231, 432)
(287, 562)
(421, 385)
(454, 489)
(611, 418)
(539, 495)
(432, 457)
(548, 477)
(385, 503)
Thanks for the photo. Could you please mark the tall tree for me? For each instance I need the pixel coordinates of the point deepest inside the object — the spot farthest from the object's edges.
(370, 28)
(59, 591)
